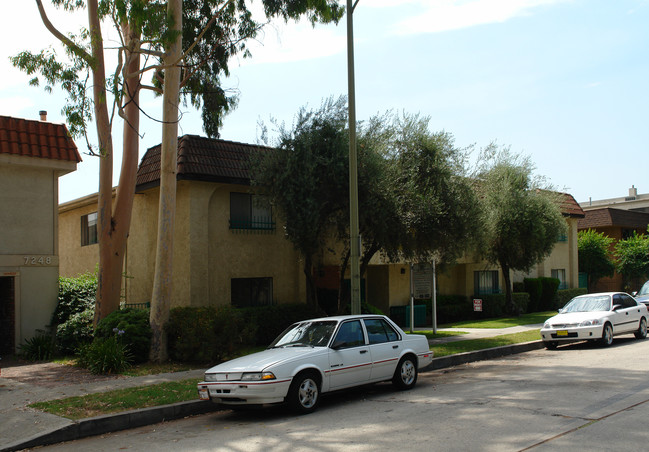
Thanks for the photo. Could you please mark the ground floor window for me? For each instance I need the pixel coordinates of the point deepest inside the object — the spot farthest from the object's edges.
(560, 274)
(485, 282)
(247, 292)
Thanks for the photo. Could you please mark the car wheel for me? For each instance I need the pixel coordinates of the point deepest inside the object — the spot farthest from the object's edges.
(551, 345)
(304, 393)
(405, 375)
(642, 329)
(607, 335)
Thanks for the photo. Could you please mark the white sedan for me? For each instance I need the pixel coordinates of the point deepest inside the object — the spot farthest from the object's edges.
(317, 356)
(597, 316)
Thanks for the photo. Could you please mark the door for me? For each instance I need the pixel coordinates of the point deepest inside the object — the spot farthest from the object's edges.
(628, 314)
(7, 315)
(385, 348)
(349, 358)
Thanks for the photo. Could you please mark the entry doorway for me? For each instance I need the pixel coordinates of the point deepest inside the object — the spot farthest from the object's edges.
(7, 315)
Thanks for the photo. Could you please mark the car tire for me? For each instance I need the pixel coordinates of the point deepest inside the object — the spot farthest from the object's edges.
(642, 329)
(405, 375)
(607, 335)
(551, 345)
(304, 392)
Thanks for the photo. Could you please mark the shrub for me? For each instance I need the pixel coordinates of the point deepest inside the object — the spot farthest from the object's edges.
(38, 348)
(549, 288)
(75, 296)
(136, 331)
(565, 295)
(534, 288)
(521, 301)
(105, 356)
(75, 332)
(267, 322)
(191, 334)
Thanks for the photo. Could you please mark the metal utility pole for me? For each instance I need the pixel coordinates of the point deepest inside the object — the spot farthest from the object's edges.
(354, 236)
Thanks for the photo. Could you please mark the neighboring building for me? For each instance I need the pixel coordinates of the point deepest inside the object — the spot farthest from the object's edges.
(634, 201)
(33, 155)
(228, 249)
(617, 224)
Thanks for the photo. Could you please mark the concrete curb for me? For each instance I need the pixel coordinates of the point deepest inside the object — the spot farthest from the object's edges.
(115, 422)
(148, 416)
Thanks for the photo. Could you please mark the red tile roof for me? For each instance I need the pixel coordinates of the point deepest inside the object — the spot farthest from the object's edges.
(606, 216)
(203, 159)
(570, 207)
(37, 139)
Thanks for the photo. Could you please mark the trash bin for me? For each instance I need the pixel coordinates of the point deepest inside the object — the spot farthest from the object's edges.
(420, 315)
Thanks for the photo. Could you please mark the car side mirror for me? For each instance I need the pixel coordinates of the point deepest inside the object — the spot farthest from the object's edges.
(337, 345)
(560, 310)
(634, 293)
(616, 307)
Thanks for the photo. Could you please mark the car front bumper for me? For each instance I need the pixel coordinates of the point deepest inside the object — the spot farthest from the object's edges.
(244, 392)
(574, 333)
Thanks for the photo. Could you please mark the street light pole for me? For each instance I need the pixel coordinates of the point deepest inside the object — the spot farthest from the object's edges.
(354, 236)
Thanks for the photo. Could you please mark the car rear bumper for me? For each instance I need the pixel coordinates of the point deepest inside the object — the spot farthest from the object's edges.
(244, 392)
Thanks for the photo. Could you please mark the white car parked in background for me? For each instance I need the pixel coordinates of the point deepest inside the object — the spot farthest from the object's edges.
(317, 356)
(596, 316)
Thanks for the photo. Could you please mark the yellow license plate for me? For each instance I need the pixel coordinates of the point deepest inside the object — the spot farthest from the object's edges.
(562, 333)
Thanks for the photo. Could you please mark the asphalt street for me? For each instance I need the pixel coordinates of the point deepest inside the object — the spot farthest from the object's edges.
(579, 397)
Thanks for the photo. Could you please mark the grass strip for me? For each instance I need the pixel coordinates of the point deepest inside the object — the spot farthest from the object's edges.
(430, 335)
(81, 407)
(451, 348)
(524, 319)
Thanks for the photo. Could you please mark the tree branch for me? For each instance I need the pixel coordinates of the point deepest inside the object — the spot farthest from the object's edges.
(79, 51)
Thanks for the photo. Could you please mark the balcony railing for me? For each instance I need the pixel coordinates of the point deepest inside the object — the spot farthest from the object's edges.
(256, 225)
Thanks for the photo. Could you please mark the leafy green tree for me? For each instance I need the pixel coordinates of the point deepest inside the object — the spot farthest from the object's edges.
(632, 259)
(521, 219)
(212, 32)
(595, 256)
(413, 200)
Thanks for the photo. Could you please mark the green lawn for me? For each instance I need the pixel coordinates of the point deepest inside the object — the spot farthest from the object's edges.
(524, 319)
(452, 348)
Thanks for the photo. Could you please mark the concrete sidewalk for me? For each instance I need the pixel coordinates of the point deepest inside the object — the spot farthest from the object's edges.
(22, 427)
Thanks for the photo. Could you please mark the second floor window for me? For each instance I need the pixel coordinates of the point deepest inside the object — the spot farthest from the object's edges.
(89, 229)
(250, 212)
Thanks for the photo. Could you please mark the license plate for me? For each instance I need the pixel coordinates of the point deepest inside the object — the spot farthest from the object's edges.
(562, 333)
(203, 394)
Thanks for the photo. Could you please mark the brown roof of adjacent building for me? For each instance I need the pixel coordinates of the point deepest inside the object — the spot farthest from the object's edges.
(203, 159)
(607, 216)
(40, 139)
(570, 207)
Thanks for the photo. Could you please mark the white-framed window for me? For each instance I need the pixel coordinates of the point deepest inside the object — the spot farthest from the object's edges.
(249, 211)
(89, 229)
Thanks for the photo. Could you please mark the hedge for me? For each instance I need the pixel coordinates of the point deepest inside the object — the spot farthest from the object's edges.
(565, 295)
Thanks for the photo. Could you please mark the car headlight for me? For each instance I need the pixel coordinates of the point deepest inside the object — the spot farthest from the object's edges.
(257, 376)
(210, 377)
(591, 322)
(546, 325)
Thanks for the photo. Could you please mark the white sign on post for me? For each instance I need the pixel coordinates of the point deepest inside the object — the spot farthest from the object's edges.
(422, 276)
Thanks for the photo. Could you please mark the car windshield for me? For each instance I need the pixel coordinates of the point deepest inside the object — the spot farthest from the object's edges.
(306, 334)
(587, 304)
(644, 290)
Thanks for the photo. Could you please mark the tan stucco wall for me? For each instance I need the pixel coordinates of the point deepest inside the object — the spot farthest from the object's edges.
(207, 254)
(29, 238)
(74, 258)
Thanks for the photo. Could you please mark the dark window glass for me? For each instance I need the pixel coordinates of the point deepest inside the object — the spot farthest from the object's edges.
(247, 292)
(250, 212)
(486, 282)
(351, 334)
(378, 331)
(89, 229)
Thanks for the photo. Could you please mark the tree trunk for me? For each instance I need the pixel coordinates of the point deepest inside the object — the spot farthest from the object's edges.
(114, 224)
(509, 301)
(162, 283)
(344, 293)
(311, 291)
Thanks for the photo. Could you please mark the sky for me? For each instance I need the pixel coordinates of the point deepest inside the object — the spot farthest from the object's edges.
(565, 82)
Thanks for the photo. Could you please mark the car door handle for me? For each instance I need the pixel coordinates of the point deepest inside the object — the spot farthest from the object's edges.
(363, 351)
(395, 346)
